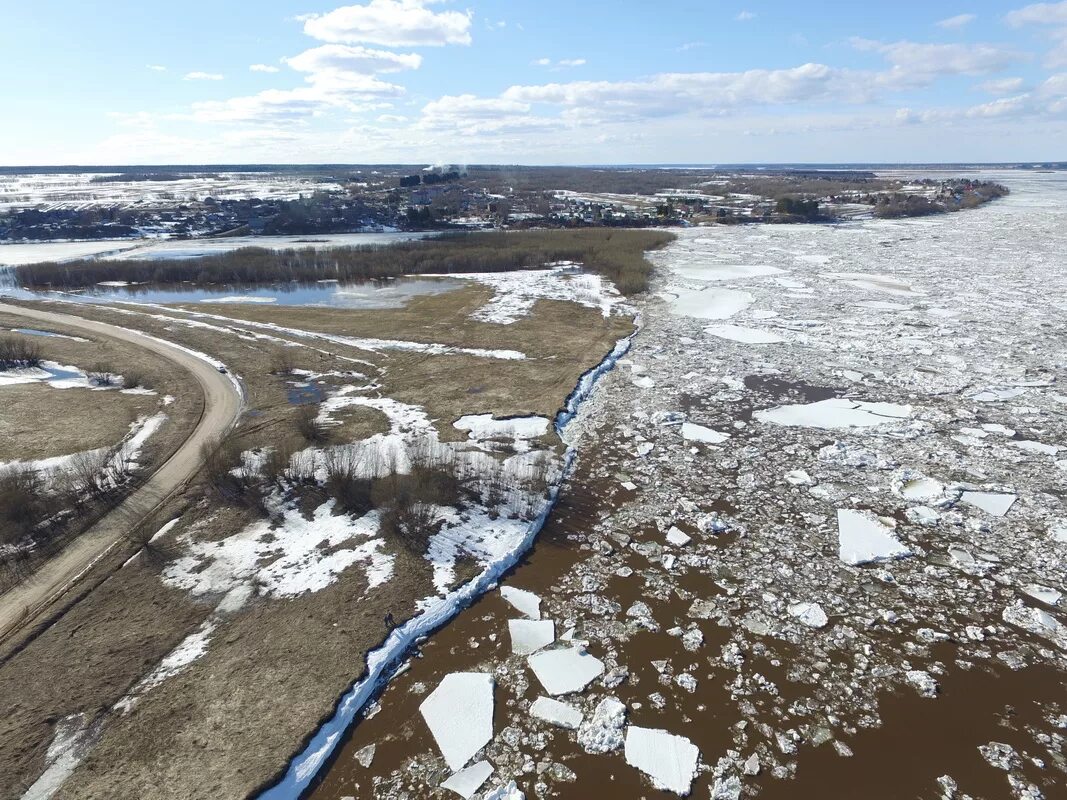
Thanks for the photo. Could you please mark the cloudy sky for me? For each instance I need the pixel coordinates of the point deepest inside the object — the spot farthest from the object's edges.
(531, 81)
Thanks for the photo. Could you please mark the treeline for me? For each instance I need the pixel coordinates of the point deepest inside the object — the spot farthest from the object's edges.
(618, 254)
(955, 196)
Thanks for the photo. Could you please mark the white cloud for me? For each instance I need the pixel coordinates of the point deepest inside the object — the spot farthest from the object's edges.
(564, 63)
(263, 68)
(338, 58)
(348, 92)
(1038, 14)
(702, 92)
(915, 64)
(746, 16)
(957, 22)
(1002, 86)
(203, 76)
(393, 23)
(156, 67)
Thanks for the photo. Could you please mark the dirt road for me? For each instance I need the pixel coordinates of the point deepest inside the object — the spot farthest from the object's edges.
(222, 404)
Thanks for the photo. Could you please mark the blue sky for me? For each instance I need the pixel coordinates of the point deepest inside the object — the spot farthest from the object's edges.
(486, 81)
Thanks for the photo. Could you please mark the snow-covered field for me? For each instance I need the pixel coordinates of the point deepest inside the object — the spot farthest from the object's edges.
(77, 191)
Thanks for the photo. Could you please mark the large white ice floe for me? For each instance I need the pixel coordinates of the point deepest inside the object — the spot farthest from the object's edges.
(698, 433)
(710, 303)
(562, 715)
(669, 760)
(992, 503)
(468, 781)
(736, 333)
(835, 413)
(285, 560)
(710, 271)
(565, 671)
(522, 601)
(459, 714)
(863, 539)
(530, 635)
(874, 282)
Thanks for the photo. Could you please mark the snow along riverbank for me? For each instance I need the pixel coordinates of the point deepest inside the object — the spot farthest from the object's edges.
(383, 662)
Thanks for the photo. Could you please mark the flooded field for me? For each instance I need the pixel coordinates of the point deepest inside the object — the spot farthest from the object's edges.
(815, 544)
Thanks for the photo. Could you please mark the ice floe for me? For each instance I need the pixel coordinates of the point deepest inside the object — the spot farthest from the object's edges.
(835, 413)
(459, 714)
(554, 712)
(528, 635)
(522, 601)
(736, 333)
(711, 303)
(468, 781)
(565, 671)
(862, 539)
(670, 761)
(698, 433)
(991, 502)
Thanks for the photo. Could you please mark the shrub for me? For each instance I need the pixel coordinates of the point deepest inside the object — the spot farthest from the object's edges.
(22, 503)
(221, 458)
(345, 483)
(306, 420)
(18, 352)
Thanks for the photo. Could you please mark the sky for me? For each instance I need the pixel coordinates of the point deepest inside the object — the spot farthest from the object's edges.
(532, 82)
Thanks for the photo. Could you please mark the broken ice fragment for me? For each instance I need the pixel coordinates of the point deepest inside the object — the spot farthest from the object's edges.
(468, 781)
(459, 713)
(507, 792)
(522, 601)
(990, 502)
(669, 760)
(1046, 594)
(565, 671)
(678, 537)
(602, 733)
(835, 413)
(529, 635)
(810, 614)
(923, 682)
(698, 433)
(862, 539)
(799, 477)
(556, 713)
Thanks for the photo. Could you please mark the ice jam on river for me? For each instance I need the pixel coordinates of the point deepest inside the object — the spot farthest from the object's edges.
(823, 535)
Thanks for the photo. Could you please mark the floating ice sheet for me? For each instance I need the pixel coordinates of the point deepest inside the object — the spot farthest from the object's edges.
(459, 714)
(736, 333)
(554, 712)
(835, 413)
(530, 635)
(522, 601)
(669, 760)
(862, 539)
(565, 671)
(698, 433)
(990, 502)
(468, 781)
(711, 303)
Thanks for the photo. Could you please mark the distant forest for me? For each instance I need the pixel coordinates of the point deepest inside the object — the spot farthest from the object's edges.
(618, 254)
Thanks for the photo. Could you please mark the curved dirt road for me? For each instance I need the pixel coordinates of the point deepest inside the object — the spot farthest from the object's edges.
(222, 404)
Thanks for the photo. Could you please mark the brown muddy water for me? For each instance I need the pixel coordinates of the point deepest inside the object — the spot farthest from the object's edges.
(920, 739)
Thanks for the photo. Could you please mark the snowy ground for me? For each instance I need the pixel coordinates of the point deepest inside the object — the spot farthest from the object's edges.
(851, 481)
